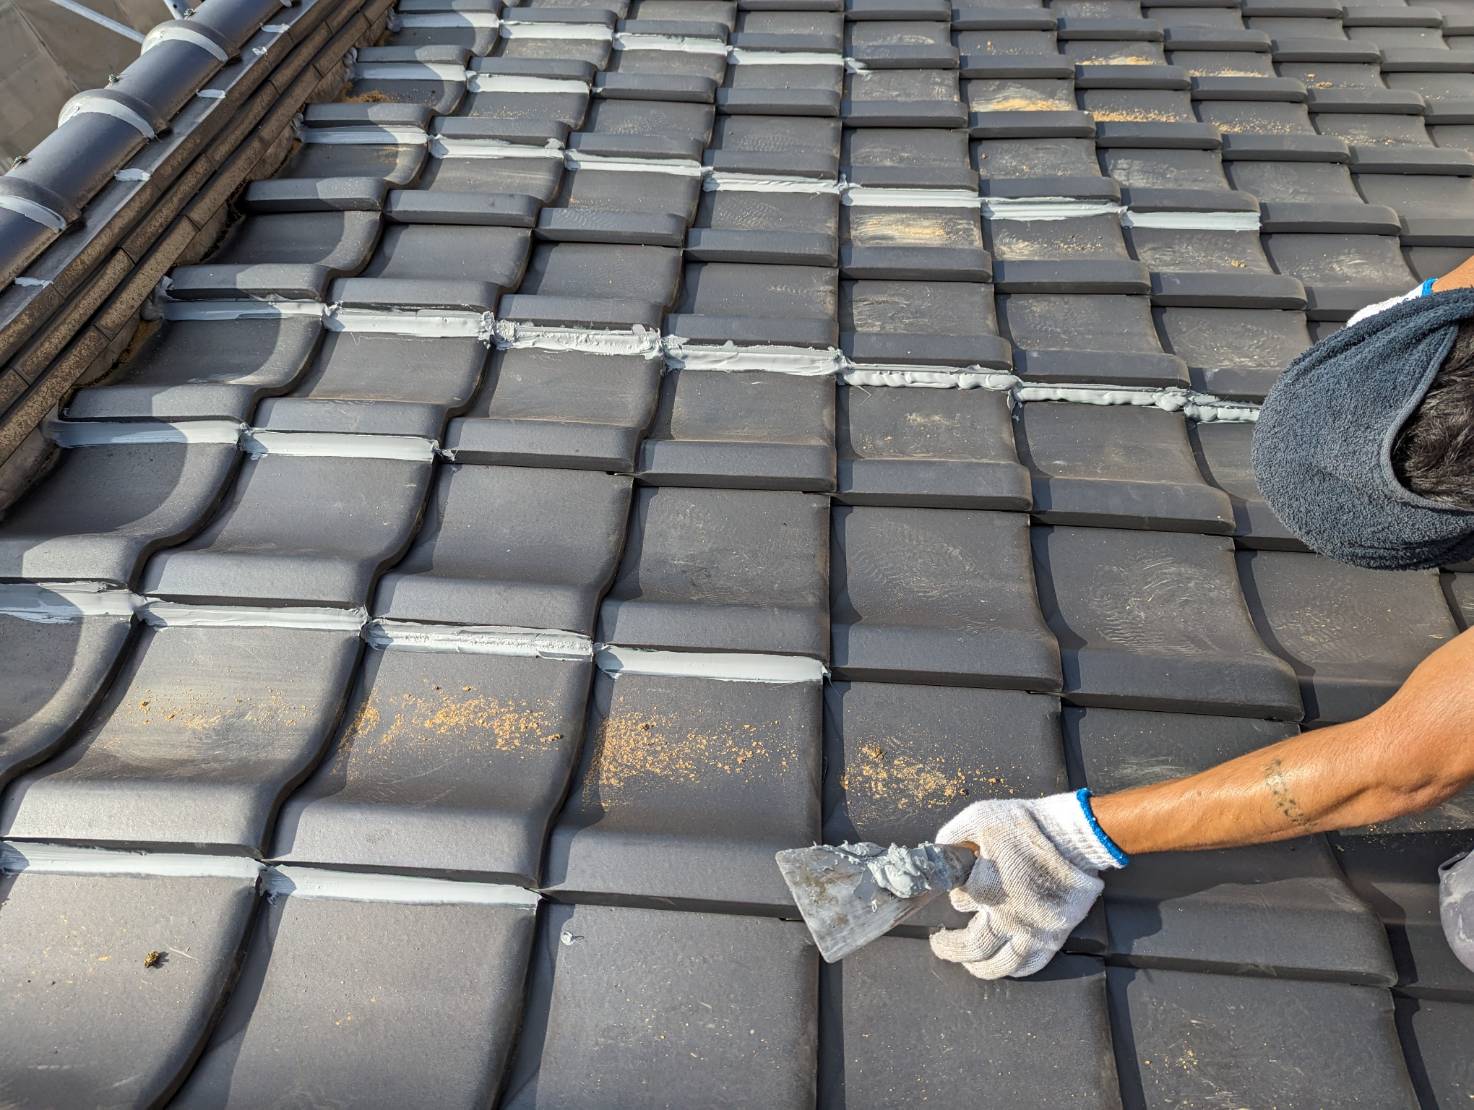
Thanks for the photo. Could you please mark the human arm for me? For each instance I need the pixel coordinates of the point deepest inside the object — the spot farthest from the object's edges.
(1038, 861)
(1414, 752)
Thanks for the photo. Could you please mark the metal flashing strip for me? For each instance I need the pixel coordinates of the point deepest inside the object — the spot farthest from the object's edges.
(377, 135)
(110, 433)
(441, 147)
(876, 197)
(423, 323)
(98, 105)
(479, 20)
(638, 340)
(723, 181)
(298, 881)
(157, 613)
(455, 639)
(64, 602)
(927, 377)
(175, 32)
(1192, 221)
(69, 859)
(718, 665)
(1046, 208)
(36, 213)
(738, 56)
(533, 29)
(509, 83)
(338, 445)
(408, 71)
(808, 362)
(683, 44)
(681, 167)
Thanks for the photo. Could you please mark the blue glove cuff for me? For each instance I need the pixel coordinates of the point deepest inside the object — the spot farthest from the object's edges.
(1083, 797)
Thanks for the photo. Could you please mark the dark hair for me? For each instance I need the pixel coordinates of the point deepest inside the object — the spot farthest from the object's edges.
(1433, 454)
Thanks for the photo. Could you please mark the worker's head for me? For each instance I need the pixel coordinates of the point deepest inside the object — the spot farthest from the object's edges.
(1365, 447)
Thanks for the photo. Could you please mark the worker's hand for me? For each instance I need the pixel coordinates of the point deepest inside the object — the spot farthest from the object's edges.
(1035, 879)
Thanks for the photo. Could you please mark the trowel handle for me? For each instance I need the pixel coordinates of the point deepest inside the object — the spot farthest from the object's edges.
(961, 855)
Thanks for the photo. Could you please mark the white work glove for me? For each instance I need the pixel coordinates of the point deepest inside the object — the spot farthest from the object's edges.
(1034, 881)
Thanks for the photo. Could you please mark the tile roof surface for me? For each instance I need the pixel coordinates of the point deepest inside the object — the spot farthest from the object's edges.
(630, 437)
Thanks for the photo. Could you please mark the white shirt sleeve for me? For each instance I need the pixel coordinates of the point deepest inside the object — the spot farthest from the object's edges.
(1381, 306)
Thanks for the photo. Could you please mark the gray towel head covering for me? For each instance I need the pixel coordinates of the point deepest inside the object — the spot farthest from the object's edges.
(1323, 443)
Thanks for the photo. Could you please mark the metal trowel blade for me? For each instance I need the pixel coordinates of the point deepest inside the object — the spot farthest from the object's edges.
(840, 901)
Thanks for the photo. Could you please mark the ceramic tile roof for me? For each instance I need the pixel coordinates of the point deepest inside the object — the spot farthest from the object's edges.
(623, 440)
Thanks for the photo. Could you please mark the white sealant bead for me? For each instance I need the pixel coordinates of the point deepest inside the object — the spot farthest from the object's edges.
(684, 354)
(67, 859)
(512, 83)
(530, 643)
(683, 44)
(338, 445)
(295, 881)
(513, 28)
(423, 323)
(174, 614)
(65, 602)
(376, 135)
(441, 147)
(717, 665)
(637, 340)
(681, 167)
(928, 377)
(1192, 221)
(876, 197)
(107, 433)
(483, 20)
(740, 57)
(170, 309)
(719, 181)
(408, 71)
(1046, 208)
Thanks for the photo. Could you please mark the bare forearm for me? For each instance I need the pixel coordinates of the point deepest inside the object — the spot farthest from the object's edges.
(1409, 755)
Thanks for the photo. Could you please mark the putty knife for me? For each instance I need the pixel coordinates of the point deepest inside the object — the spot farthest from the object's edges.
(849, 894)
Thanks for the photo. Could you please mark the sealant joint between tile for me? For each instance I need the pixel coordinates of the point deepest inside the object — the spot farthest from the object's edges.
(297, 881)
(808, 362)
(68, 859)
(481, 20)
(638, 340)
(338, 445)
(928, 377)
(64, 602)
(539, 643)
(684, 44)
(441, 147)
(425, 323)
(875, 197)
(721, 666)
(36, 213)
(718, 181)
(1046, 208)
(680, 167)
(586, 32)
(244, 309)
(173, 614)
(738, 56)
(1201, 407)
(1192, 221)
(111, 433)
(379, 135)
(508, 83)
(408, 71)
